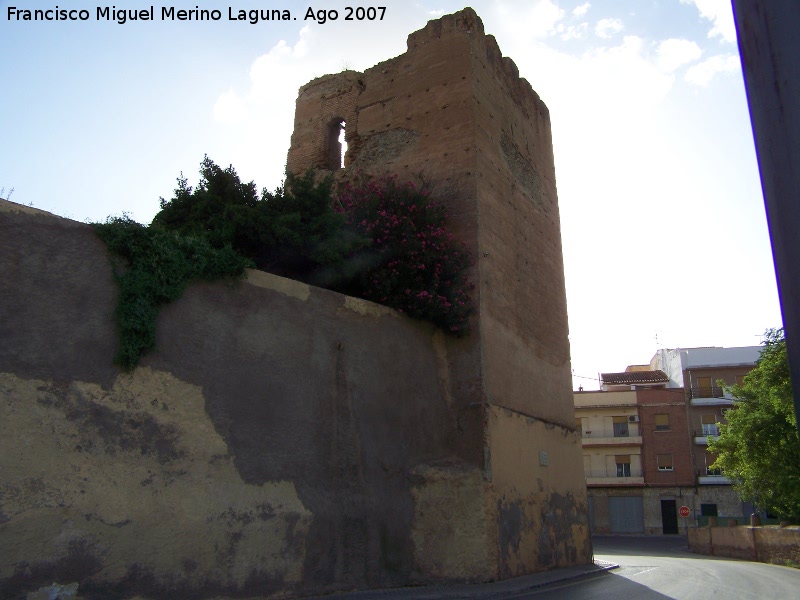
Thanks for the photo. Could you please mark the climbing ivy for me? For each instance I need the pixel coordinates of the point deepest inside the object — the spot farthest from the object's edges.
(152, 267)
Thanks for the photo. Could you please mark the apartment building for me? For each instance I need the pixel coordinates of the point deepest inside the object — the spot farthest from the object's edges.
(699, 371)
(645, 436)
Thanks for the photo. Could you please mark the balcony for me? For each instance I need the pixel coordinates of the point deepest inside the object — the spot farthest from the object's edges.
(615, 481)
(712, 477)
(708, 432)
(709, 396)
(713, 480)
(604, 439)
(605, 400)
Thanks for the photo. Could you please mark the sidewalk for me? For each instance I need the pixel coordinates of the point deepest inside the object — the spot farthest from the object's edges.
(466, 591)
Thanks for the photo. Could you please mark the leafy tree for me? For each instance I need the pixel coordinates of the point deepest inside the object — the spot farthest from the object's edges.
(307, 238)
(379, 239)
(292, 232)
(759, 447)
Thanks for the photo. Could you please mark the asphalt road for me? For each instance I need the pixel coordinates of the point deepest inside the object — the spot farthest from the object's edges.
(662, 567)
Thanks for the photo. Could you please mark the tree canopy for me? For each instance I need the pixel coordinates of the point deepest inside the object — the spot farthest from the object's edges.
(377, 239)
(759, 448)
(292, 231)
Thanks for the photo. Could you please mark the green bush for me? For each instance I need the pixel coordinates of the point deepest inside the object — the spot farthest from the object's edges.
(379, 240)
(292, 231)
(152, 268)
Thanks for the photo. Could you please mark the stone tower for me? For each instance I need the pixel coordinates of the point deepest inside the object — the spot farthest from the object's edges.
(455, 110)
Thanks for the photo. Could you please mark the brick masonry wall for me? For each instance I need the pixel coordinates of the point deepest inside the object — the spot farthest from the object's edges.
(676, 441)
(769, 544)
(453, 109)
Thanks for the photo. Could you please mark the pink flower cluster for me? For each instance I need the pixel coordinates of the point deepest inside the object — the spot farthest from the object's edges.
(422, 270)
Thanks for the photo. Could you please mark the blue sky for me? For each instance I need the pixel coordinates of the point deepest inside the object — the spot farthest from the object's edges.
(664, 233)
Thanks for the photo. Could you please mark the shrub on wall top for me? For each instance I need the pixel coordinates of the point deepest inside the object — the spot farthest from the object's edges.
(379, 239)
(417, 267)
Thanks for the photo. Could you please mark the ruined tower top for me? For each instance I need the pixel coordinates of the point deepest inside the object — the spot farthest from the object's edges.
(329, 103)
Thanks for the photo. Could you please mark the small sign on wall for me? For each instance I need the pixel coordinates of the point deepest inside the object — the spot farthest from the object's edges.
(544, 458)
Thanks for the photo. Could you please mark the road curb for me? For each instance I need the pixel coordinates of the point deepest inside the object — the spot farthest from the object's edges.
(485, 591)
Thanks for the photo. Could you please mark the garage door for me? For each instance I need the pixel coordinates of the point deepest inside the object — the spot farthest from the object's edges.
(625, 514)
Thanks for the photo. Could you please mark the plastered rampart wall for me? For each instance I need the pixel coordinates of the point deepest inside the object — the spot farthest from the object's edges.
(282, 440)
(769, 544)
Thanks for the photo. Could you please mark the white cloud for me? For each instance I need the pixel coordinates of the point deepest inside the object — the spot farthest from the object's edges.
(580, 11)
(674, 53)
(720, 13)
(526, 20)
(573, 32)
(607, 28)
(230, 108)
(701, 74)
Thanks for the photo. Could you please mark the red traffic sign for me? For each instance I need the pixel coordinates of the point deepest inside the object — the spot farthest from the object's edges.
(684, 511)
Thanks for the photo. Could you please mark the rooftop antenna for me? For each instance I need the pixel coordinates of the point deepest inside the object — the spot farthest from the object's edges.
(659, 339)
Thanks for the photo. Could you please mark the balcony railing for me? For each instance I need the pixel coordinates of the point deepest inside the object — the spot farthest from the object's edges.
(709, 476)
(706, 391)
(713, 480)
(701, 436)
(634, 480)
(704, 394)
(606, 438)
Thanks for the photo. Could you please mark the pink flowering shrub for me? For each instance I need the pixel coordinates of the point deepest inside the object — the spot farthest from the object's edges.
(416, 266)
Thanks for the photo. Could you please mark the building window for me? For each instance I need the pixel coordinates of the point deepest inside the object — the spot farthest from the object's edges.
(708, 510)
(664, 462)
(709, 423)
(620, 426)
(662, 422)
(711, 472)
(623, 465)
(579, 426)
(335, 144)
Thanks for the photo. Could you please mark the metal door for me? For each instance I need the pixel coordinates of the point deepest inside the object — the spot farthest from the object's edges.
(625, 514)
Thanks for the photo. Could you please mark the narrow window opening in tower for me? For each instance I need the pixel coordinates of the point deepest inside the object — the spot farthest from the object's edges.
(343, 144)
(335, 144)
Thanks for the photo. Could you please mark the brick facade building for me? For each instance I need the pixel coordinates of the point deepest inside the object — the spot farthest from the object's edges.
(645, 436)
